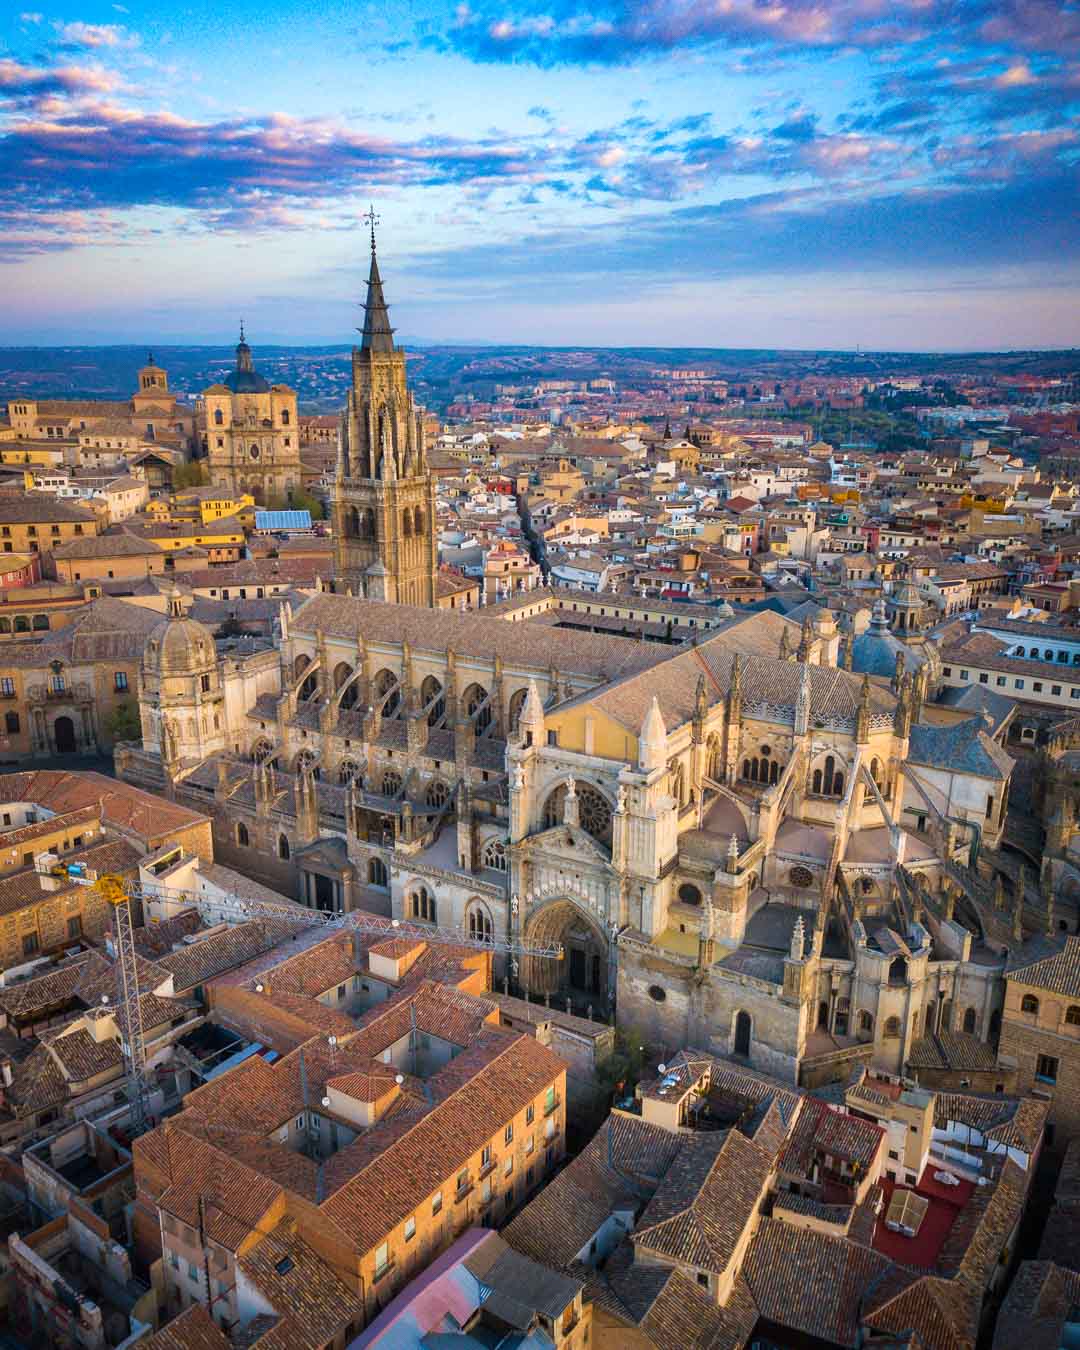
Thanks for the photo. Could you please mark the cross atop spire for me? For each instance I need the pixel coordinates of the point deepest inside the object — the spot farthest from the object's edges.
(371, 219)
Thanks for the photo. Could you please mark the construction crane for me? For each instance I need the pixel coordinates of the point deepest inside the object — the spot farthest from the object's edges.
(118, 892)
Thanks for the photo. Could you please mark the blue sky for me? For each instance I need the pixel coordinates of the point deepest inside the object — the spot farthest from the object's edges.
(886, 173)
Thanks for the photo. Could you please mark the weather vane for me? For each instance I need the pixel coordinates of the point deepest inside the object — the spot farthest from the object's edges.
(370, 218)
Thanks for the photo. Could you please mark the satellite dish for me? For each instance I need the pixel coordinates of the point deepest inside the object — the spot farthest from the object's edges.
(258, 988)
(661, 1068)
(399, 1078)
(395, 923)
(104, 998)
(333, 1040)
(326, 1101)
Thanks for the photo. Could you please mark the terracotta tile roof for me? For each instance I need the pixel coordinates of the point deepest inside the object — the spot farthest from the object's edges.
(821, 1130)
(943, 1313)
(475, 634)
(1015, 1122)
(193, 1329)
(1041, 1300)
(312, 1303)
(708, 1196)
(197, 962)
(1052, 964)
(122, 806)
(620, 1167)
(810, 1282)
(670, 1309)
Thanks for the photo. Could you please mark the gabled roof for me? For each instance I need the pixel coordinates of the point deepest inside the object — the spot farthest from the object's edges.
(964, 747)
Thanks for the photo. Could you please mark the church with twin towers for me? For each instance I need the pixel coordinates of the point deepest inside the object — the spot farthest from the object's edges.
(735, 842)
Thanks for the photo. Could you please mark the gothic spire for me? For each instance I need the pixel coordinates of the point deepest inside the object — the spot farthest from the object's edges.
(378, 336)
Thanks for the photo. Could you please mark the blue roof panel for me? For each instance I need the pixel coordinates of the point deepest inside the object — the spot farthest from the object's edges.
(283, 520)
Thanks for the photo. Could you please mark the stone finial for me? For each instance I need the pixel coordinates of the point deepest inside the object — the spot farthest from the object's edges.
(652, 739)
(733, 854)
(999, 893)
(798, 939)
(701, 701)
(532, 715)
(806, 638)
(802, 704)
(862, 717)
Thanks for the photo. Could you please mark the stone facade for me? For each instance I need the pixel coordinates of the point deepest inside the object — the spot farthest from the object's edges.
(252, 433)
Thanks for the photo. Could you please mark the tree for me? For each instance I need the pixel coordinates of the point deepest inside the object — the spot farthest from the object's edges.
(124, 723)
(304, 501)
(189, 475)
(618, 1074)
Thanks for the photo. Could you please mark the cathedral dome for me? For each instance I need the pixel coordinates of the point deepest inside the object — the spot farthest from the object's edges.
(178, 645)
(245, 379)
(874, 652)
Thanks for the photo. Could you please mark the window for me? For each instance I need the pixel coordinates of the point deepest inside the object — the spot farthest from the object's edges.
(204, 683)
(989, 806)
(1000, 681)
(530, 1144)
(283, 848)
(703, 1279)
(410, 1228)
(984, 679)
(480, 926)
(508, 1164)
(242, 837)
(1072, 1015)
(1037, 687)
(892, 1028)
(508, 1133)
(74, 928)
(422, 905)
(963, 674)
(529, 1114)
(1018, 684)
(436, 1202)
(1029, 1004)
(495, 855)
(7, 686)
(11, 723)
(463, 1181)
(1055, 689)
(377, 874)
(120, 682)
(549, 1101)
(946, 670)
(56, 683)
(382, 1260)
(30, 944)
(1046, 1069)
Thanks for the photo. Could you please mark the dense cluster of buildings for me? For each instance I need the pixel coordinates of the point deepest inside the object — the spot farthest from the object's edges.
(598, 886)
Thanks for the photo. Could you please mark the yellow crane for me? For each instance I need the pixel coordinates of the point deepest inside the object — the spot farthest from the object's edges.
(118, 892)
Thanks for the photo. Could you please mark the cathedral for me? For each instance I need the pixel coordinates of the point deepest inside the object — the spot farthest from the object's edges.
(252, 433)
(736, 842)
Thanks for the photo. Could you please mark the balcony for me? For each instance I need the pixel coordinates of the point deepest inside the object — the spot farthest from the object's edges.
(383, 1271)
(486, 1170)
(58, 695)
(462, 1192)
(9, 695)
(553, 1105)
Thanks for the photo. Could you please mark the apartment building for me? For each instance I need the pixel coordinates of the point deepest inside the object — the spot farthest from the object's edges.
(368, 1152)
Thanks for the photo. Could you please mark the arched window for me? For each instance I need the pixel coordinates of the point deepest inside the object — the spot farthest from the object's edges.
(391, 783)
(517, 702)
(866, 1023)
(22, 623)
(41, 623)
(387, 693)
(352, 523)
(713, 766)
(419, 518)
(377, 874)
(422, 905)
(342, 671)
(306, 760)
(262, 749)
(477, 707)
(437, 794)
(433, 699)
(406, 523)
(774, 771)
(892, 1028)
(1029, 1004)
(11, 723)
(283, 851)
(347, 771)
(594, 811)
(689, 894)
(1072, 1015)
(367, 525)
(480, 926)
(242, 837)
(219, 417)
(495, 855)
(677, 782)
(969, 1020)
(746, 768)
(5, 625)
(898, 971)
(284, 417)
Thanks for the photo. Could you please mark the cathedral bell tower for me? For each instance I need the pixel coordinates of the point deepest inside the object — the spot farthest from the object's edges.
(384, 494)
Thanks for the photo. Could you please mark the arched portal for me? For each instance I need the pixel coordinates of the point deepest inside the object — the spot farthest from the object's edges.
(583, 971)
(743, 1027)
(64, 734)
